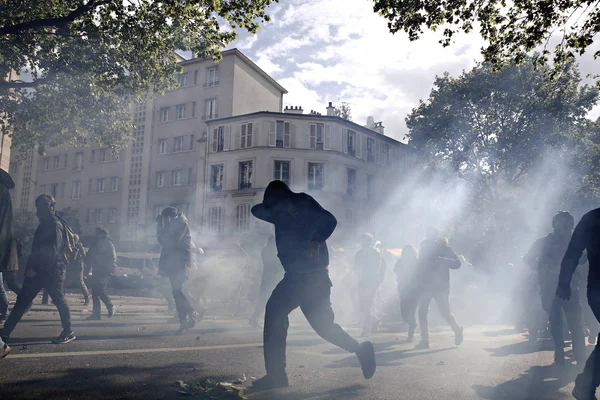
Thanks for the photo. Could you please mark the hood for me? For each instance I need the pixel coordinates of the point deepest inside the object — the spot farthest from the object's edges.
(6, 180)
(276, 191)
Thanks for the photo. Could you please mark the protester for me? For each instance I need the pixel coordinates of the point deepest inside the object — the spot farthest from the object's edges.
(436, 259)
(101, 260)
(301, 228)
(368, 265)
(75, 272)
(8, 247)
(45, 269)
(176, 259)
(409, 286)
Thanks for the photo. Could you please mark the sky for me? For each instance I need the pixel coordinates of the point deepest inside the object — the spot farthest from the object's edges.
(341, 51)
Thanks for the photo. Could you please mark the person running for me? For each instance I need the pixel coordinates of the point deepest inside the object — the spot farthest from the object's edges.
(45, 269)
(272, 273)
(301, 228)
(546, 255)
(436, 259)
(8, 247)
(409, 286)
(101, 260)
(176, 258)
(75, 272)
(586, 236)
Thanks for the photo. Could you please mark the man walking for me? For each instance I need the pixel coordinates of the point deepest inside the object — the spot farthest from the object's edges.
(45, 269)
(369, 274)
(102, 261)
(75, 272)
(301, 228)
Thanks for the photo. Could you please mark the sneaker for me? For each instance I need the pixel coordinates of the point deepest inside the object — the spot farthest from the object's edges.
(458, 336)
(65, 337)
(93, 317)
(583, 389)
(192, 319)
(411, 334)
(423, 344)
(111, 311)
(183, 328)
(366, 356)
(86, 302)
(269, 382)
(4, 350)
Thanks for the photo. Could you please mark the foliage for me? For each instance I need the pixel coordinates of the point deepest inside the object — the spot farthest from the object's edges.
(344, 111)
(493, 127)
(211, 389)
(89, 61)
(510, 31)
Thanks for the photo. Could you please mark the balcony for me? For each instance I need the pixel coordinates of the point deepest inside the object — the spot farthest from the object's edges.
(217, 188)
(351, 152)
(211, 84)
(245, 185)
(209, 117)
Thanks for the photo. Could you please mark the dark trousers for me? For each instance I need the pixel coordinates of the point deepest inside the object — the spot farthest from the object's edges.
(12, 281)
(442, 300)
(76, 276)
(311, 292)
(52, 281)
(554, 307)
(590, 377)
(408, 309)
(3, 300)
(98, 283)
(182, 304)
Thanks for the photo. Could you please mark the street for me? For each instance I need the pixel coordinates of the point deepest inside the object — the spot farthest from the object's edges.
(136, 355)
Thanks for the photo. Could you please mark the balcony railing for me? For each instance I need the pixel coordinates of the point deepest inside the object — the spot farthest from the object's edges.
(207, 117)
(211, 84)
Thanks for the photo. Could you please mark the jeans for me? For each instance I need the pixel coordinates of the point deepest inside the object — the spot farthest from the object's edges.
(311, 292)
(182, 304)
(442, 300)
(98, 284)
(52, 281)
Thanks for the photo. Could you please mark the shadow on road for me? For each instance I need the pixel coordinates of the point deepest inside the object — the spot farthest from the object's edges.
(388, 359)
(521, 348)
(353, 391)
(501, 332)
(537, 383)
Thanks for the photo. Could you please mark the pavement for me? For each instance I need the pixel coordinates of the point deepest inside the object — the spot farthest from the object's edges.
(135, 355)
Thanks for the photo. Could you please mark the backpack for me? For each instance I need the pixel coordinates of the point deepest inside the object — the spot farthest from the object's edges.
(70, 250)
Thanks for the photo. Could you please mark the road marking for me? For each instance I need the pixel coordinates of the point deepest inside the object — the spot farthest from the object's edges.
(131, 351)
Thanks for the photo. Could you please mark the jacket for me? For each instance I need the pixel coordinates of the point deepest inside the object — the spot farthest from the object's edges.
(436, 259)
(48, 242)
(102, 257)
(176, 241)
(545, 256)
(9, 259)
(368, 266)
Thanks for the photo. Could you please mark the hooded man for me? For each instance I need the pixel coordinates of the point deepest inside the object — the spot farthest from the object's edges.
(369, 271)
(102, 261)
(436, 259)
(176, 259)
(301, 228)
(545, 256)
(8, 246)
(45, 270)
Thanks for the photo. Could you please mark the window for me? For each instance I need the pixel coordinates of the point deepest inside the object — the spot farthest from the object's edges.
(351, 182)
(112, 215)
(370, 182)
(79, 161)
(351, 142)
(56, 162)
(93, 156)
(65, 161)
(219, 139)
(46, 164)
(76, 192)
(162, 146)
(191, 142)
(164, 114)
(178, 144)
(216, 177)
(315, 176)
(242, 218)
(210, 110)
(182, 79)
(282, 171)
(370, 150)
(54, 190)
(114, 184)
(246, 137)
(100, 185)
(177, 178)
(42, 189)
(189, 176)
(193, 109)
(215, 219)
(99, 215)
(384, 149)
(103, 155)
(246, 175)
(195, 77)
(212, 76)
(317, 135)
(282, 136)
(180, 111)
(160, 179)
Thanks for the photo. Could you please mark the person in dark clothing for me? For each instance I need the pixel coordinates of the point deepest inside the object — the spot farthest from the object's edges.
(409, 285)
(301, 228)
(176, 259)
(546, 255)
(369, 270)
(8, 247)
(101, 260)
(75, 272)
(272, 273)
(45, 269)
(436, 259)
(586, 236)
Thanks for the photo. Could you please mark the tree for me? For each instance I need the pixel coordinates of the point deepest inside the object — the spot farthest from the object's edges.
(511, 31)
(344, 111)
(494, 127)
(90, 60)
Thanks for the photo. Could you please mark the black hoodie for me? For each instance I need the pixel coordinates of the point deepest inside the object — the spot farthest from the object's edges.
(299, 220)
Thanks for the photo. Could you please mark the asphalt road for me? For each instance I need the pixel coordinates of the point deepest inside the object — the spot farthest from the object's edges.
(136, 356)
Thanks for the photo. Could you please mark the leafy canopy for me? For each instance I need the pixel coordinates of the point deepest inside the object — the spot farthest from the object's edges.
(511, 30)
(90, 60)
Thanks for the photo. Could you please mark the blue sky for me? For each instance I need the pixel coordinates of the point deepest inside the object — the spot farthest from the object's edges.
(340, 50)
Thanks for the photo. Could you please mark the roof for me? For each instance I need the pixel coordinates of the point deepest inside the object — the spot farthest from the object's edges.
(248, 61)
(313, 117)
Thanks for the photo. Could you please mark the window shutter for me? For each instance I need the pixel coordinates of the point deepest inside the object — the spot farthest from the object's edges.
(226, 137)
(357, 145)
(345, 140)
(312, 140)
(364, 147)
(377, 152)
(292, 135)
(215, 139)
(249, 134)
(272, 133)
(327, 138)
(286, 134)
(240, 137)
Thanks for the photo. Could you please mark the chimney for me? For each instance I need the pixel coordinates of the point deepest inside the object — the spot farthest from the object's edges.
(293, 110)
(370, 123)
(378, 127)
(330, 109)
